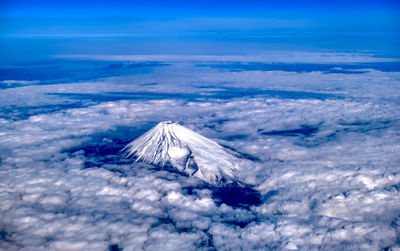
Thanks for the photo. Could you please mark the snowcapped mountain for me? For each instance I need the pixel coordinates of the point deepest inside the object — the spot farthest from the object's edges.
(169, 143)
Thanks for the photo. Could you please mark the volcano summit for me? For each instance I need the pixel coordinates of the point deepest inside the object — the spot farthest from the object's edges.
(169, 143)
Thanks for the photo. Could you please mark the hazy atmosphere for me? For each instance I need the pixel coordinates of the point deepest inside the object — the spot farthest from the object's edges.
(229, 125)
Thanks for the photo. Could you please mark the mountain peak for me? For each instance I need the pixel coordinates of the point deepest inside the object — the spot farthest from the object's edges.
(169, 143)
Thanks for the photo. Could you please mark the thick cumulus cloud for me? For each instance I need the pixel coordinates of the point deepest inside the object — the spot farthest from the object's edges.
(325, 168)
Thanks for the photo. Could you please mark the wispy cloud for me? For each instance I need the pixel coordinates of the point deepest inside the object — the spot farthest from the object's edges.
(266, 57)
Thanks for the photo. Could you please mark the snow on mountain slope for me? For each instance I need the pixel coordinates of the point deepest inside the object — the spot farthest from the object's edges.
(185, 150)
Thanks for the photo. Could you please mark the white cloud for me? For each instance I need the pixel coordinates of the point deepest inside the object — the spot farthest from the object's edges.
(336, 187)
(20, 82)
(272, 56)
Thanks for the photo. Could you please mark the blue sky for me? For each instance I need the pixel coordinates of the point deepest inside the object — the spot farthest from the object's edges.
(190, 8)
(363, 15)
(199, 27)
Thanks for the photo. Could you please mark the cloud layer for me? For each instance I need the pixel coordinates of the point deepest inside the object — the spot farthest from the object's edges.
(326, 172)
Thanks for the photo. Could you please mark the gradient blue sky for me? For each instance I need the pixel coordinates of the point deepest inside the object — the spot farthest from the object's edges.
(191, 8)
(200, 27)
